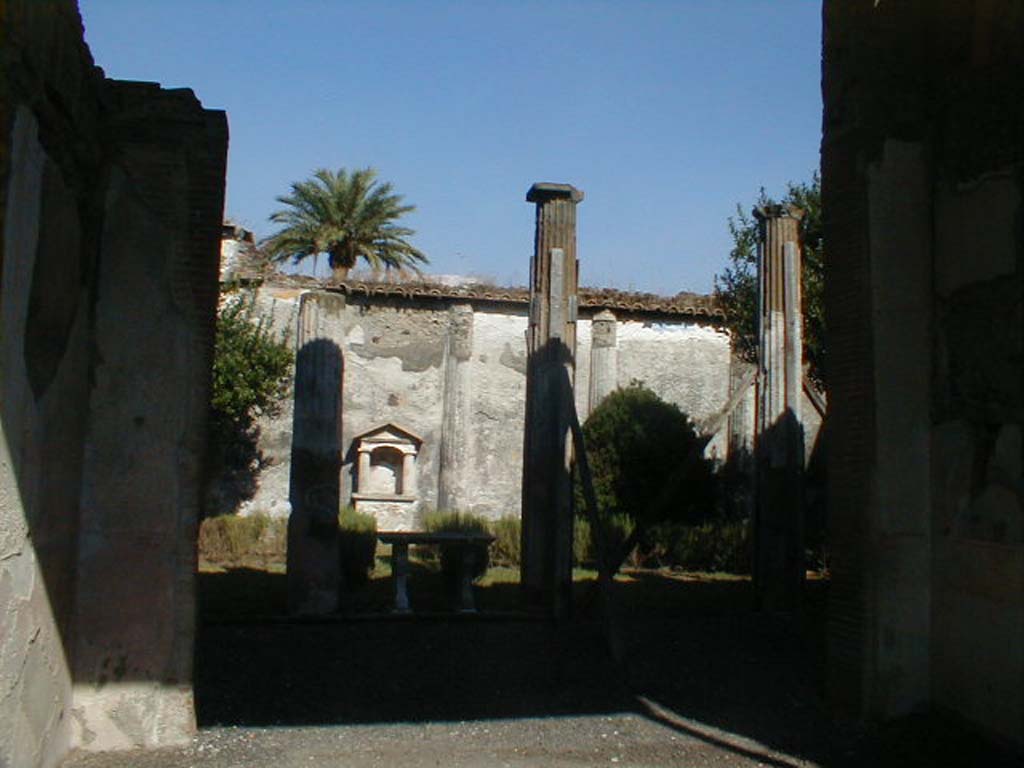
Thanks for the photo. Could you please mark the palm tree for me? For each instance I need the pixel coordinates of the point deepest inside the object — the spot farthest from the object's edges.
(348, 217)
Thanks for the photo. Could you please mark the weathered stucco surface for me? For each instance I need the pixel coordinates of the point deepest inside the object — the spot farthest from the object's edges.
(38, 433)
(460, 384)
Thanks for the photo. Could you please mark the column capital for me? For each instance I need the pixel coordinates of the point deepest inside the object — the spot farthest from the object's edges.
(765, 212)
(543, 191)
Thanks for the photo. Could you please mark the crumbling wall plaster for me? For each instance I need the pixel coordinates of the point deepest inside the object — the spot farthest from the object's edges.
(686, 364)
(40, 469)
(394, 373)
(397, 369)
(498, 410)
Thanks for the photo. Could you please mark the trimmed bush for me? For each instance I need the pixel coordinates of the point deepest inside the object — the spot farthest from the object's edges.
(357, 545)
(232, 538)
(646, 460)
(647, 464)
(718, 546)
(506, 549)
(583, 550)
(584, 539)
(458, 522)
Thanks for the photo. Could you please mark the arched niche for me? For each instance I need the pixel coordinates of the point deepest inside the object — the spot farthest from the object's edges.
(385, 483)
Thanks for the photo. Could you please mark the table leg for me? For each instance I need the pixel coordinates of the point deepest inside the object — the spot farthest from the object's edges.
(400, 565)
(468, 556)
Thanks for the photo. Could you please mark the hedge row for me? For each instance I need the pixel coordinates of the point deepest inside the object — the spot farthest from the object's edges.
(725, 546)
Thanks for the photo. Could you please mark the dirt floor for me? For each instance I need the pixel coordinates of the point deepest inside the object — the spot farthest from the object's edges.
(703, 680)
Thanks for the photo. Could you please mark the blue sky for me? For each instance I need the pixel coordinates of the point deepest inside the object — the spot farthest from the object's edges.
(666, 114)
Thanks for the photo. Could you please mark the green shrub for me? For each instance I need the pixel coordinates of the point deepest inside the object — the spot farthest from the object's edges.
(252, 364)
(506, 549)
(582, 547)
(647, 464)
(458, 522)
(584, 539)
(230, 538)
(252, 372)
(646, 460)
(717, 546)
(357, 545)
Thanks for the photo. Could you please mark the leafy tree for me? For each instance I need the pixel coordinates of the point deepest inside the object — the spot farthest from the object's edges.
(647, 465)
(252, 366)
(736, 287)
(348, 216)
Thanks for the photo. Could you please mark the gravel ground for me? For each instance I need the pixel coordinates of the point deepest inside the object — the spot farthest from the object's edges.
(624, 739)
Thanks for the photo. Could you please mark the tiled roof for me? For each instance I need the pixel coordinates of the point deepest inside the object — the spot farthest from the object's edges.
(684, 303)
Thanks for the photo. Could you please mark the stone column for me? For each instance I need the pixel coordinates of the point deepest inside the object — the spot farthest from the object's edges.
(455, 413)
(778, 566)
(315, 494)
(604, 358)
(363, 477)
(409, 484)
(551, 348)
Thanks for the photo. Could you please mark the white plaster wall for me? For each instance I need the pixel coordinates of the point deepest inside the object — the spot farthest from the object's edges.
(583, 362)
(497, 414)
(394, 372)
(686, 364)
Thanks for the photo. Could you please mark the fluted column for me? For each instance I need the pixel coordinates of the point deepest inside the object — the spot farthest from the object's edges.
(604, 358)
(778, 566)
(455, 407)
(315, 493)
(409, 485)
(551, 349)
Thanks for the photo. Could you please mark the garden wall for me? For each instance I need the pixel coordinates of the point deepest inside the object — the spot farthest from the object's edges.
(401, 367)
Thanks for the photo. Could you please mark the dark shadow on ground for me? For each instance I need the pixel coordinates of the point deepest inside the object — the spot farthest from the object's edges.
(402, 671)
(698, 660)
(698, 649)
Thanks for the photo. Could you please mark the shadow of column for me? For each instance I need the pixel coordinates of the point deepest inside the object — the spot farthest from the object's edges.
(548, 503)
(779, 565)
(315, 489)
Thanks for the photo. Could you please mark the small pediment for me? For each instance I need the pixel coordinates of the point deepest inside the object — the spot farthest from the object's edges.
(389, 434)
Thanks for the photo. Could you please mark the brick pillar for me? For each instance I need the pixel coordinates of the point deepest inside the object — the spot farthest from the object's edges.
(551, 348)
(778, 559)
(154, 319)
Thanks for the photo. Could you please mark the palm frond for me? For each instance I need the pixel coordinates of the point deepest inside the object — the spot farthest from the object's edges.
(347, 215)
